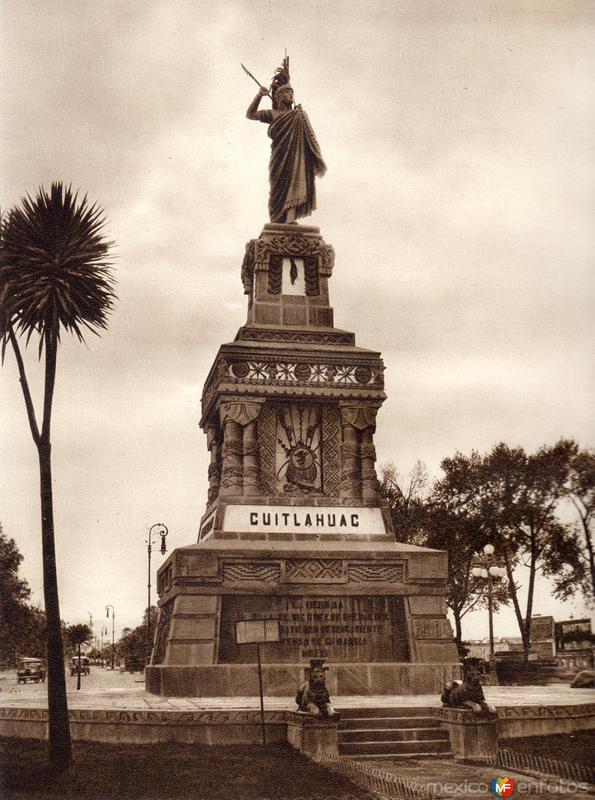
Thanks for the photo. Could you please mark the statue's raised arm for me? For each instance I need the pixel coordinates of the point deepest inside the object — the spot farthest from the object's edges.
(295, 154)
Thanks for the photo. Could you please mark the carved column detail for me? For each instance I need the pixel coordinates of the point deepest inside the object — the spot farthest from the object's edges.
(214, 445)
(368, 459)
(358, 478)
(250, 459)
(350, 471)
(231, 461)
(239, 472)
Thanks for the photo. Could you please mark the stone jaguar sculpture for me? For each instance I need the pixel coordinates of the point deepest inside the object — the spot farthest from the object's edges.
(312, 696)
(467, 694)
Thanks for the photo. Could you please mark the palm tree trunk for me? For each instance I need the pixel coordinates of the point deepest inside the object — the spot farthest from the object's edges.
(78, 672)
(60, 750)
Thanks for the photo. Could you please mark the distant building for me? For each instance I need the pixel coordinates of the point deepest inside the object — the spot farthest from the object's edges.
(574, 644)
(543, 639)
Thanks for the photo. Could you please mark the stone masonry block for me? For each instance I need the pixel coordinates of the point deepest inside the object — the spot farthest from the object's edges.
(189, 653)
(267, 314)
(199, 628)
(428, 565)
(427, 604)
(195, 604)
(294, 315)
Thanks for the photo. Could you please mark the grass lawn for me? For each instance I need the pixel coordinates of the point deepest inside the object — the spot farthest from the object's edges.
(576, 747)
(170, 772)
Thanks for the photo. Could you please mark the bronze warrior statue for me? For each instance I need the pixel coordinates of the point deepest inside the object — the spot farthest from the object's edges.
(295, 154)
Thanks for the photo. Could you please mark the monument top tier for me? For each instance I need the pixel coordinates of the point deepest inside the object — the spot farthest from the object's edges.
(289, 407)
(285, 275)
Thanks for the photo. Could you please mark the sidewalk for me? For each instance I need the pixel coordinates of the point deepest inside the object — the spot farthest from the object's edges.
(104, 689)
(469, 782)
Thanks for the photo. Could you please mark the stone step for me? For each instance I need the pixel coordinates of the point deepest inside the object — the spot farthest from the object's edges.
(387, 722)
(395, 711)
(431, 746)
(396, 756)
(392, 735)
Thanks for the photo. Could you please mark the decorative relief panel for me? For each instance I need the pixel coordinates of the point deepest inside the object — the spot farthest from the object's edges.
(300, 449)
(250, 571)
(385, 573)
(299, 446)
(321, 570)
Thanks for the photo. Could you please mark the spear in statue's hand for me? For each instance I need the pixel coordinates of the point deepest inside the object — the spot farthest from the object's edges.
(254, 79)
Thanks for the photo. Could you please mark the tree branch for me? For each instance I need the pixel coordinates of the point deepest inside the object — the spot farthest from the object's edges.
(24, 386)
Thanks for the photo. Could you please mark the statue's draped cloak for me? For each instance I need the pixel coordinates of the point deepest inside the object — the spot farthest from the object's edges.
(295, 161)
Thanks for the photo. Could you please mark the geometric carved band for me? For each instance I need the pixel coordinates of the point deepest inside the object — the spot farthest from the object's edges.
(251, 571)
(314, 569)
(232, 447)
(387, 573)
(321, 570)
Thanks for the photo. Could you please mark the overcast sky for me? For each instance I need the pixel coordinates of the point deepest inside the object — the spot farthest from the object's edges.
(459, 197)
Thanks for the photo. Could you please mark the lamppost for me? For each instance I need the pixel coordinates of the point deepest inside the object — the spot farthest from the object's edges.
(487, 566)
(103, 633)
(159, 529)
(107, 608)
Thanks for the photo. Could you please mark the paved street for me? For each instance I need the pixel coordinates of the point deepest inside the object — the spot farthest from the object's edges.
(106, 689)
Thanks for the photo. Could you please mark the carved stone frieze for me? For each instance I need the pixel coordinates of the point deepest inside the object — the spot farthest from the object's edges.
(259, 253)
(304, 372)
(301, 337)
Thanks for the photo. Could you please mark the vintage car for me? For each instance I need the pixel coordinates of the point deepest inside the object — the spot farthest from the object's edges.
(30, 669)
(83, 666)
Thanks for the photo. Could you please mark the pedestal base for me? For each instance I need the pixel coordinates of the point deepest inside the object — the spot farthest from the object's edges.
(282, 680)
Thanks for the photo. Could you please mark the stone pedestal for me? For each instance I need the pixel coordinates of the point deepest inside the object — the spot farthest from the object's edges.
(473, 737)
(316, 738)
(294, 528)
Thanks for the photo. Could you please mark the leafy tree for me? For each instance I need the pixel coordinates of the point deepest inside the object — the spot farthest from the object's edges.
(133, 644)
(54, 276)
(512, 499)
(407, 498)
(79, 635)
(453, 525)
(581, 491)
(22, 626)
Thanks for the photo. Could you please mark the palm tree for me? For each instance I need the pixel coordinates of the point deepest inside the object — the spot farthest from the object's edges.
(77, 636)
(54, 275)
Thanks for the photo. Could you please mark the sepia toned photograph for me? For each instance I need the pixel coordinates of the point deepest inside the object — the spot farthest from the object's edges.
(297, 441)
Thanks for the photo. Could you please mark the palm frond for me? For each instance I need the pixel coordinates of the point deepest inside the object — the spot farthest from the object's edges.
(55, 269)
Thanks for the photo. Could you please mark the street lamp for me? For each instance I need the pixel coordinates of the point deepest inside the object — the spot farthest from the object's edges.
(103, 633)
(159, 529)
(488, 567)
(107, 608)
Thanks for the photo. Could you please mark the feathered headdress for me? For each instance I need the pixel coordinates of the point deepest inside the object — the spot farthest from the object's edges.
(280, 80)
